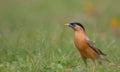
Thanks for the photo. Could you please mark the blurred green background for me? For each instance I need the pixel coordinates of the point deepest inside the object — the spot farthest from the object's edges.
(33, 38)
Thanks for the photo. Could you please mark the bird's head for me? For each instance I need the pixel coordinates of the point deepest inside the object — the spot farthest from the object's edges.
(76, 26)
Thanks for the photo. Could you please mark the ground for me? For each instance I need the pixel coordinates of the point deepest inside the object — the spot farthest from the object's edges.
(33, 37)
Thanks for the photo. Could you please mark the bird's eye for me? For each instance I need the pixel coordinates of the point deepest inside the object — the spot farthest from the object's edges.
(72, 25)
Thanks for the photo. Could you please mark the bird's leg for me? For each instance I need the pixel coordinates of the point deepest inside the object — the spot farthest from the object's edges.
(84, 59)
(94, 67)
(85, 62)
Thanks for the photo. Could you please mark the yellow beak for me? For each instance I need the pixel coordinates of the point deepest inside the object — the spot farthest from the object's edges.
(66, 24)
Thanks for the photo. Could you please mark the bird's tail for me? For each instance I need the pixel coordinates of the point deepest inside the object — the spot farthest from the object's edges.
(110, 62)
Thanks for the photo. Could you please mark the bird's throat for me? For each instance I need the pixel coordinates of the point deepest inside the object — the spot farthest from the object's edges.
(79, 35)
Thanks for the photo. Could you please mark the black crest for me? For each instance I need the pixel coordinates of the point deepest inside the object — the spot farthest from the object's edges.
(79, 25)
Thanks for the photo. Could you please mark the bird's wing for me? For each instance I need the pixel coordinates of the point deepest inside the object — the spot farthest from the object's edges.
(91, 44)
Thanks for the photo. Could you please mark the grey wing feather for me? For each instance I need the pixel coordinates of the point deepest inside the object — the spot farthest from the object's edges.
(91, 44)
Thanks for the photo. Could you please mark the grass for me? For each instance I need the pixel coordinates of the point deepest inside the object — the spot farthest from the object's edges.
(33, 38)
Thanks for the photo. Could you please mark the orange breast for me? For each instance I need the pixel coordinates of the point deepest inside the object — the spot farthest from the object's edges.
(84, 48)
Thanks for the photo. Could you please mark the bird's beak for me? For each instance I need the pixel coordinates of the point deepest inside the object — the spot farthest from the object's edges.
(66, 24)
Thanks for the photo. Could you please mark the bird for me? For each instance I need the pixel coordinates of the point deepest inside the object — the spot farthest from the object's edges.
(85, 46)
